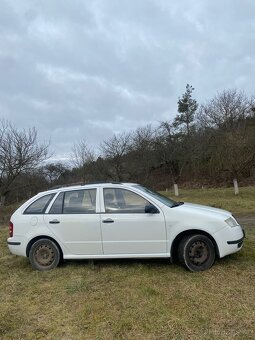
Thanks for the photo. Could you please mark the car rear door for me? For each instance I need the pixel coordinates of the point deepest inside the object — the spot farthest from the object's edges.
(74, 219)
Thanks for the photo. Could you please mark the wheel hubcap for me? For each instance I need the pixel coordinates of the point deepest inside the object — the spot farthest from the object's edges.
(198, 253)
(44, 255)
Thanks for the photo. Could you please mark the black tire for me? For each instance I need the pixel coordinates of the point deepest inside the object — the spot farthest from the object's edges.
(196, 252)
(44, 255)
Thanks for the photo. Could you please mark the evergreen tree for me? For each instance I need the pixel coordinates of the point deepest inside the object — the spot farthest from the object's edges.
(187, 107)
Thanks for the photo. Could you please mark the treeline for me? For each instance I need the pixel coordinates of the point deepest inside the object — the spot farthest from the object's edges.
(207, 144)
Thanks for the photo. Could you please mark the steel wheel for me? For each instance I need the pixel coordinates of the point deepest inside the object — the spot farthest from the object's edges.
(44, 255)
(196, 252)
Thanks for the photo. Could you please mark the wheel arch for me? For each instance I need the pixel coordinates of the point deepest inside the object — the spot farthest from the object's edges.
(179, 237)
(33, 240)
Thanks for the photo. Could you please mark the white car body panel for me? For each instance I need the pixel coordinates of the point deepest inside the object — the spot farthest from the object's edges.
(135, 234)
(81, 234)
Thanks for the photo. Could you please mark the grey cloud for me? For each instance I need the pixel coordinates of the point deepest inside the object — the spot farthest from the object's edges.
(78, 69)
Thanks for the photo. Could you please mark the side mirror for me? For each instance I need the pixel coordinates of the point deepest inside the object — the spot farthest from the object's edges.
(150, 209)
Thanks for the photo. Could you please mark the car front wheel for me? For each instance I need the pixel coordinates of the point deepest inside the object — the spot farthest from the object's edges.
(196, 252)
(44, 255)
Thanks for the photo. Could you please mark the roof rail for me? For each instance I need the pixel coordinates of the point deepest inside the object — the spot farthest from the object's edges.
(82, 184)
(102, 182)
(66, 185)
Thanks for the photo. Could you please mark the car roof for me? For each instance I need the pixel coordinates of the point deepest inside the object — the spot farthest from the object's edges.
(88, 185)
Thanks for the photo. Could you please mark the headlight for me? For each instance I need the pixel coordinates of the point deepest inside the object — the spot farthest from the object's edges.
(231, 222)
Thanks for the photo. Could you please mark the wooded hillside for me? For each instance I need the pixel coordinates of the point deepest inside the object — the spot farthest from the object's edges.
(208, 144)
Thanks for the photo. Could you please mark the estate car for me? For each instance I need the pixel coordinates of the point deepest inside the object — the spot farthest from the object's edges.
(120, 220)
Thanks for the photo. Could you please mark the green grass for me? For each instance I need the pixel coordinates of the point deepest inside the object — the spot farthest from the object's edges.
(133, 299)
(128, 299)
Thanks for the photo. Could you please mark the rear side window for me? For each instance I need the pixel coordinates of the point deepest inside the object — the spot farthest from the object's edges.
(57, 206)
(40, 205)
(80, 202)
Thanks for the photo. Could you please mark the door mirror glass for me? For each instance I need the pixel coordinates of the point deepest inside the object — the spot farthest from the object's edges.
(150, 209)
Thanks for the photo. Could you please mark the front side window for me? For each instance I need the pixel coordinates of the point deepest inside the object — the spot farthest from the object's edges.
(123, 201)
(40, 205)
(80, 202)
(163, 199)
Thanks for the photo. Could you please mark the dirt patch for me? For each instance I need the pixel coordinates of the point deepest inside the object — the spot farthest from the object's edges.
(246, 219)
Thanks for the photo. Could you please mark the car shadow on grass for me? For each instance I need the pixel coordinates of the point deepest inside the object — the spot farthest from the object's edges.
(104, 263)
(237, 260)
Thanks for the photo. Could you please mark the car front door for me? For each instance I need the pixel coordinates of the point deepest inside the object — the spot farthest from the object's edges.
(74, 219)
(127, 228)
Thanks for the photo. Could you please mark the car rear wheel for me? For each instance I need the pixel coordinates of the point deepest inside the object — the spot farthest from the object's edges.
(44, 255)
(196, 252)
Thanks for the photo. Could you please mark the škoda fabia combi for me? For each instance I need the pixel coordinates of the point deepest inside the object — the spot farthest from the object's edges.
(120, 220)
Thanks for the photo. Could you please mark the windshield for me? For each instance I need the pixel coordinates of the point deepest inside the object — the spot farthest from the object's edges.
(163, 199)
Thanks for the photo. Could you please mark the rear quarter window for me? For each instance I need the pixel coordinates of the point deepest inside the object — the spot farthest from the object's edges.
(40, 205)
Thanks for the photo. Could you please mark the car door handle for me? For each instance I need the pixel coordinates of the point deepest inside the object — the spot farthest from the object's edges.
(108, 220)
(54, 222)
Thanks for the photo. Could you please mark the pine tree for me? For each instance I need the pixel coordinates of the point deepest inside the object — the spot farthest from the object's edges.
(187, 107)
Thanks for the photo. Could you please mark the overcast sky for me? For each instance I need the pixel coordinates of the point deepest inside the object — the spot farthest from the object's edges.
(88, 69)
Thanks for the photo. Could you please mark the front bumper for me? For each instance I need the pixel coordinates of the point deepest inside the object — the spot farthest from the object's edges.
(238, 242)
(229, 240)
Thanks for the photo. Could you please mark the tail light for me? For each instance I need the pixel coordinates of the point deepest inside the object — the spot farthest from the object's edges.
(11, 229)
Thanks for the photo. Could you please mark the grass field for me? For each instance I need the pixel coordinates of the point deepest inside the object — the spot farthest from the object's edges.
(134, 299)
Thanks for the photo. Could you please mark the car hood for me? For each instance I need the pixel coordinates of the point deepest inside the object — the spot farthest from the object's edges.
(204, 209)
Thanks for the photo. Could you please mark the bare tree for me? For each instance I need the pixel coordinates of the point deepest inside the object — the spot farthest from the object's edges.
(114, 150)
(142, 158)
(226, 110)
(173, 151)
(233, 153)
(53, 171)
(82, 158)
(225, 119)
(20, 153)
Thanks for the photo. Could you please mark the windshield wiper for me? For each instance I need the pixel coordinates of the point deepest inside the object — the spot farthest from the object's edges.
(177, 204)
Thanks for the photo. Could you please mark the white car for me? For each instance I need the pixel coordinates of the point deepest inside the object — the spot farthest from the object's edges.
(120, 220)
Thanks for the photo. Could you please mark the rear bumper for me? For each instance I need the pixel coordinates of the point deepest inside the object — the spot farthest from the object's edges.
(13, 243)
(17, 246)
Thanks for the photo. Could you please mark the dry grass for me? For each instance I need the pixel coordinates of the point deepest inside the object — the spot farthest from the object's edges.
(6, 212)
(129, 299)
